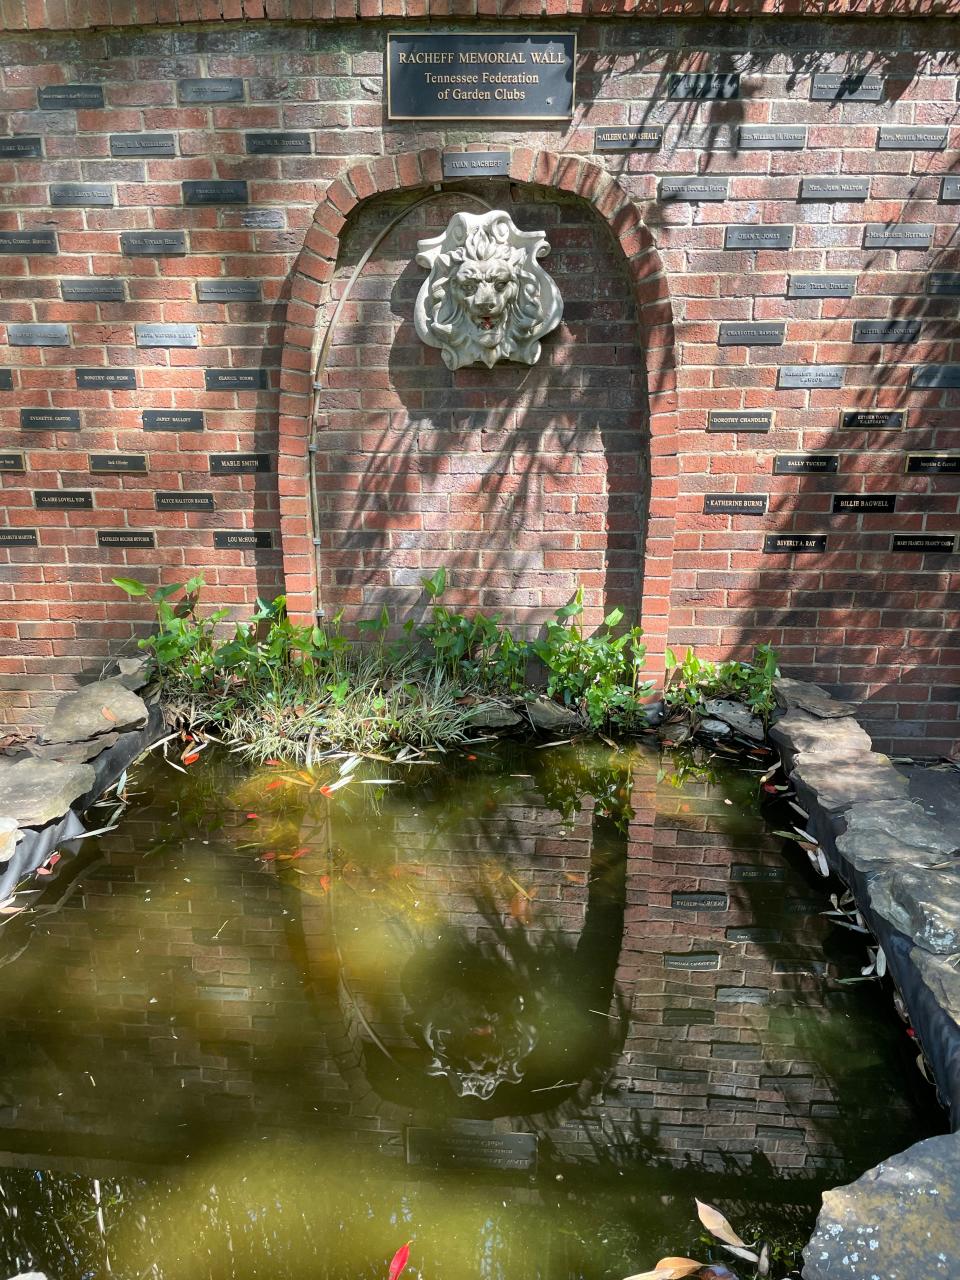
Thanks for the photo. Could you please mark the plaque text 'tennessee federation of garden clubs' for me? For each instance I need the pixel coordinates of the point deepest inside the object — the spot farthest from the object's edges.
(459, 76)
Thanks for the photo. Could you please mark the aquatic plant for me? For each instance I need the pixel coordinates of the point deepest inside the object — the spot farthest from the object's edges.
(691, 681)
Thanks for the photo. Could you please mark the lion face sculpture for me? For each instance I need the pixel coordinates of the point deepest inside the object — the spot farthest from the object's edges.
(486, 298)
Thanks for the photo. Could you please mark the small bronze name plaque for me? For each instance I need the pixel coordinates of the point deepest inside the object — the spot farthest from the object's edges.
(241, 539)
(181, 500)
(476, 164)
(38, 335)
(21, 147)
(705, 85)
(739, 420)
(699, 960)
(213, 89)
(688, 1018)
(647, 138)
(693, 190)
(107, 379)
(933, 463)
(215, 192)
(262, 218)
(765, 137)
(70, 97)
(111, 462)
(872, 419)
(802, 464)
(944, 283)
(230, 463)
(898, 331)
(794, 543)
(12, 462)
(81, 195)
(95, 289)
(6, 379)
(167, 335)
(488, 76)
(125, 538)
(172, 419)
(50, 419)
(950, 190)
(904, 138)
(152, 244)
(752, 933)
(893, 235)
(69, 498)
(829, 86)
(736, 504)
(864, 502)
(801, 377)
(748, 872)
(758, 237)
(278, 144)
(127, 145)
(936, 375)
(228, 291)
(18, 537)
(702, 901)
(738, 333)
(941, 544)
(821, 286)
(28, 242)
(834, 188)
(475, 1148)
(235, 379)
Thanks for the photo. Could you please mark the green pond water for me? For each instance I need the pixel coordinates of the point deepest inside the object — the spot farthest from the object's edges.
(518, 1007)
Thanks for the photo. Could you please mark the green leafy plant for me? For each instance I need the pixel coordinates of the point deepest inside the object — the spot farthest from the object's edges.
(692, 680)
(478, 651)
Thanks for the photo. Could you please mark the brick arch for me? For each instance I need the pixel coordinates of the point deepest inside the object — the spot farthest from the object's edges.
(310, 292)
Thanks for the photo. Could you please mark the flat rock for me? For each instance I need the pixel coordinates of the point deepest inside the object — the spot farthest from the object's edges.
(836, 784)
(716, 728)
(105, 707)
(799, 731)
(905, 821)
(740, 718)
(924, 904)
(34, 792)
(896, 1222)
(134, 673)
(549, 717)
(943, 981)
(810, 697)
(491, 715)
(73, 751)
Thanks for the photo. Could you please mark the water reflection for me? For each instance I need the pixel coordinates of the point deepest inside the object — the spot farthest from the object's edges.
(261, 1015)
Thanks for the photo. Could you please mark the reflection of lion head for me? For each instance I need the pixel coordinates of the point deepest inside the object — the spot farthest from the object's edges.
(486, 298)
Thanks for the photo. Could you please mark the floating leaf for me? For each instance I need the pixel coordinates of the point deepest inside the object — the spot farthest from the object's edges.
(192, 758)
(717, 1224)
(520, 909)
(670, 1269)
(881, 963)
(399, 1261)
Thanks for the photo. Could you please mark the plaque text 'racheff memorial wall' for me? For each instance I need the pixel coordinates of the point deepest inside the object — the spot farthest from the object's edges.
(446, 76)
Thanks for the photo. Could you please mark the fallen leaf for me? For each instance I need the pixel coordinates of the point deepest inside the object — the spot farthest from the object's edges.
(670, 1269)
(399, 1261)
(192, 758)
(272, 786)
(251, 815)
(520, 908)
(717, 1224)
(108, 715)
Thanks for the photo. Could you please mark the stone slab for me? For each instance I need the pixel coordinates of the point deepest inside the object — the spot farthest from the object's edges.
(35, 792)
(810, 697)
(737, 716)
(838, 784)
(923, 904)
(549, 717)
(800, 731)
(906, 821)
(104, 707)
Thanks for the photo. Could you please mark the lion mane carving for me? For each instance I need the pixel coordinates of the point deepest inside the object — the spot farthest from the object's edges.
(486, 298)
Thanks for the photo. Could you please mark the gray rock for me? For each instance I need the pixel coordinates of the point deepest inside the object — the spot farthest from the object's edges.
(904, 821)
(799, 731)
(74, 752)
(717, 728)
(653, 713)
(810, 697)
(550, 717)
(134, 673)
(836, 784)
(923, 904)
(34, 792)
(81, 715)
(896, 1222)
(737, 716)
(492, 715)
(942, 979)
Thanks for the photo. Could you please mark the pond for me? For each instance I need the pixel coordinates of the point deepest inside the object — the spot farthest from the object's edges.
(516, 1005)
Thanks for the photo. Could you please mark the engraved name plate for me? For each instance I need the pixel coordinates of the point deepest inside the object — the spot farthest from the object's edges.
(705, 85)
(228, 291)
(18, 537)
(794, 543)
(742, 333)
(107, 379)
(693, 190)
(153, 244)
(235, 379)
(688, 1018)
(936, 375)
(772, 137)
(864, 502)
(278, 144)
(123, 462)
(21, 147)
(893, 235)
(92, 289)
(936, 543)
(802, 464)
(50, 419)
(476, 164)
(70, 97)
(12, 461)
(748, 872)
(215, 192)
(739, 420)
(646, 138)
(212, 89)
(38, 335)
(228, 463)
(242, 539)
(899, 331)
(758, 237)
(944, 283)
(950, 190)
(172, 419)
(181, 500)
(480, 1148)
(125, 538)
(68, 498)
(167, 335)
(681, 900)
(822, 286)
(933, 463)
(126, 145)
(6, 379)
(829, 86)
(810, 376)
(906, 138)
(872, 419)
(82, 195)
(752, 933)
(699, 960)
(28, 242)
(834, 188)
(262, 218)
(738, 504)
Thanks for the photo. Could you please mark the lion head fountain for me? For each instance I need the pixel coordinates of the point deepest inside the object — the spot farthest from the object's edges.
(486, 298)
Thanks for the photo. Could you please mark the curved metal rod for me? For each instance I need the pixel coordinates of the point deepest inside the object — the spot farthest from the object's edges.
(324, 352)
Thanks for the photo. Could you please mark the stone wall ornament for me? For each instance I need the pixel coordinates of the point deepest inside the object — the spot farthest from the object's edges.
(486, 298)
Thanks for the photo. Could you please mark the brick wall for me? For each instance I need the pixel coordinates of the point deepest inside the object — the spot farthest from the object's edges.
(872, 622)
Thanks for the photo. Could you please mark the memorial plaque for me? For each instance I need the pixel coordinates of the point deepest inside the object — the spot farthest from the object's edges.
(680, 900)
(18, 537)
(752, 933)
(81, 195)
(489, 76)
(262, 218)
(70, 97)
(692, 960)
(703, 85)
(215, 192)
(794, 543)
(804, 464)
(804, 906)
(46, 499)
(800, 377)
(933, 463)
(228, 291)
(872, 419)
(241, 539)
(677, 1075)
(894, 235)
(212, 89)
(228, 463)
(94, 289)
(693, 190)
(278, 143)
(6, 379)
(38, 335)
(107, 379)
(936, 375)
(767, 137)
(822, 286)
(739, 420)
(180, 500)
(950, 190)
(476, 164)
(829, 86)
(834, 188)
(747, 872)
(133, 145)
(758, 237)
(50, 419)
(28, 242)
(480, 1148)
(153, 244)
(864, 502)
(12, 462)
(938, 544)
(125, 538)
(800, 964)
(645, 138)
(744, 333)
(899, 331)
(123, 462)
(172, 419)
(735, 504)
(688, 1018)
(235, 379)
(908, 138)
(167, 335)
(944, 283)
(21, 147)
